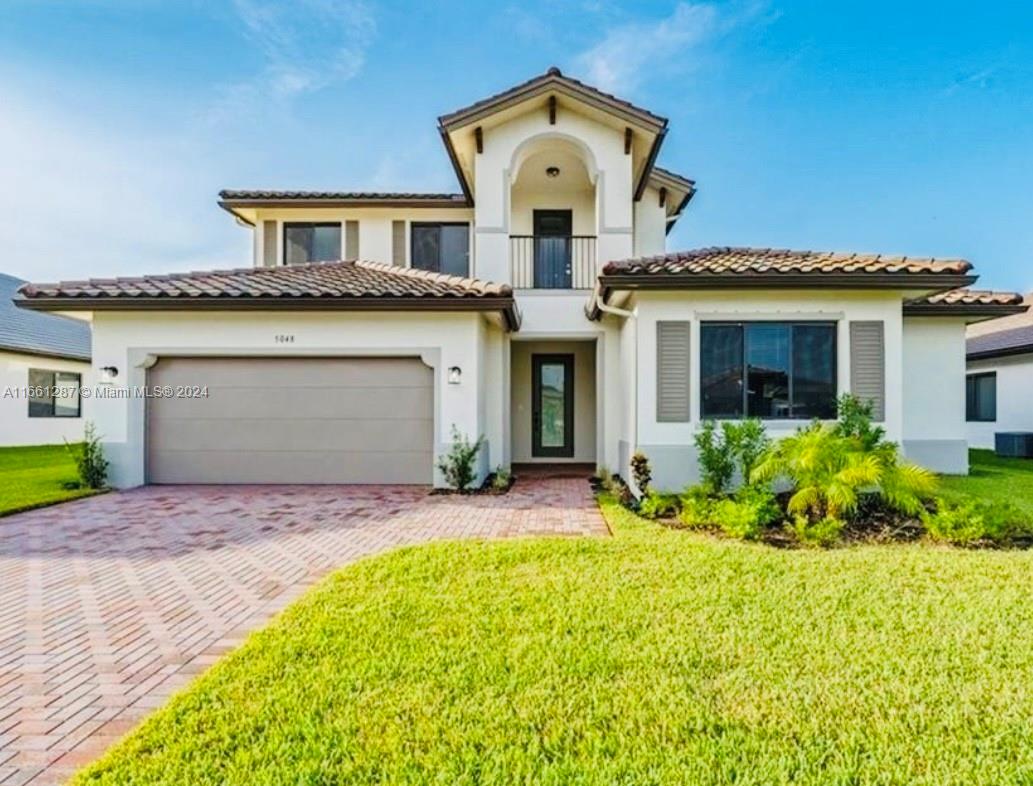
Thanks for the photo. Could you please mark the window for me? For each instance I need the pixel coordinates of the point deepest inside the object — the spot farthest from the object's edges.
(768, 370)
(442, 248)
(981, 397)
(54, 394)
(311, 243)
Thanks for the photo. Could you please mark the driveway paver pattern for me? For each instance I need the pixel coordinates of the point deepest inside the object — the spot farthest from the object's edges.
(110, 604)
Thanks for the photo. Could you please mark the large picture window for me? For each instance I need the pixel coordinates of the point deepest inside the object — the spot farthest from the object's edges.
(981, 397)
(781, 370)
(54, 394)
(441, 248)
(310, 242)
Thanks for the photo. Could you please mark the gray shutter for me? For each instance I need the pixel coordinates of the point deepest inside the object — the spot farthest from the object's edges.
(398, 243)
(351, 240)
(672, 372)
(269, 243)
(868, 364)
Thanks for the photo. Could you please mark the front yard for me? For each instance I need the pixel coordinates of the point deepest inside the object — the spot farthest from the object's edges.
(653, 657)
(994, 478)
(35, 476)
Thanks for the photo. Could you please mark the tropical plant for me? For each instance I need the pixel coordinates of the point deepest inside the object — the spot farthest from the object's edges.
(823, 532)
(697, 508)
(641, 472)
(746, 514)
(459, 464)
(89, 458)
(975, 520)
(855, 420)
(746, 441)
(716, 463)
(829, 471)
(656, 505)
(501, 478)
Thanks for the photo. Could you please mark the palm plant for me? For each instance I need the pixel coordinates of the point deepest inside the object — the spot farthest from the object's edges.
(829, 472)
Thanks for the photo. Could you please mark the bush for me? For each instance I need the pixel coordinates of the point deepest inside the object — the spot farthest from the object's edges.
(855, 420)
(716, 464)
(823, 532)
(746, 441)
(501, 478)
(697, 508)
(748, 513)
(829, 471)
(641, 472)
(459, 464)
(89, 459)
(655, 505)
(974, 521)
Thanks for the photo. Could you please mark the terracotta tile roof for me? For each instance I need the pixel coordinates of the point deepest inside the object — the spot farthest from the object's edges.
(329, 285)
(48, 335)
(357, 196)
(776, 262)
(971, 297)
(552, 76)
(1016, 341)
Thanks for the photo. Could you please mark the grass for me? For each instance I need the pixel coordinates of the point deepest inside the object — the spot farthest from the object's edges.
(31, 477)
(994, 478)
(653, 657)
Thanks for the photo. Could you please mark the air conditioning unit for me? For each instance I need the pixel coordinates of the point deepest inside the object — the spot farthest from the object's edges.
(1014, 444)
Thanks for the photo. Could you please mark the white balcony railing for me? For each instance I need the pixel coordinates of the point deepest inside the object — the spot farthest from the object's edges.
(552, 261)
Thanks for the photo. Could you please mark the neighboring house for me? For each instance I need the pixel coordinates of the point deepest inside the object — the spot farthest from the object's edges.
(538, 307)
(1000, 377)
(40, 355)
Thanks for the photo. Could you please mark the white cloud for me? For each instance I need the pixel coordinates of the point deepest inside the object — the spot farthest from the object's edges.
(627, 52)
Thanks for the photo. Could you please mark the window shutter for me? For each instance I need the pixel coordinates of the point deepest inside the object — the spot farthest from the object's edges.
(868, 365)
(351, 240)
(269, 243)
(672, 372)
(398, 243)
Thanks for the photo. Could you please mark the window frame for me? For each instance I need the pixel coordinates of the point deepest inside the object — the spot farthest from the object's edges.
(743, 326)
(970, 415)
(54, 385)
(314, 224)
(414, 225)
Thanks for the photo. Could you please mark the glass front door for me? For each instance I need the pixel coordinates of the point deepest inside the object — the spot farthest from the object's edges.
(552, 238)
(552, 388)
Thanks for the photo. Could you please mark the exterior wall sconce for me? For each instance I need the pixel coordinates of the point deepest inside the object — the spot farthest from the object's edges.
(553, 171)
(455, 375)
(108, 374)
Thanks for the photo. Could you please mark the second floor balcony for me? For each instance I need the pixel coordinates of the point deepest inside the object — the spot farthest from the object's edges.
(552, 261)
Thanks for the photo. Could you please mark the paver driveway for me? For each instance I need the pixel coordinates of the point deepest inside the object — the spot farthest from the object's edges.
(110, 604)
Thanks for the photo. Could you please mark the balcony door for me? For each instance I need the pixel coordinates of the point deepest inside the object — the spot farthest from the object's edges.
(552, 231)
(552, 406)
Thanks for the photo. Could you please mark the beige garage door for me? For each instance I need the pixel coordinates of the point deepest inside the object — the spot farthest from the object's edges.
(292, 420)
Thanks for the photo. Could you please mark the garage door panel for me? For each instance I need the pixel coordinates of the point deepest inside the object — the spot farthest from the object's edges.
(293, 467)
(318, 402)
(292, 420)
(398, 434)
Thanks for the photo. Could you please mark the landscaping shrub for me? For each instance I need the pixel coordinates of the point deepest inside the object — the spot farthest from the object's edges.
(697, 508)
(746, 514)
(656, 505)
(716, 463)
(89, 459)
(641, 472)
(823, 532)
(747, 441)
(459, 464)
(974, 521)
(854, 419)
(501, 478)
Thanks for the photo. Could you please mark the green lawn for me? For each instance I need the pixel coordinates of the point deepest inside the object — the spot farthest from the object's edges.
(991, 477)
(654, 657)
(35, 476)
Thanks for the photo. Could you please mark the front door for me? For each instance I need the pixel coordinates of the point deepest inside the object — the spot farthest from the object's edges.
(552, 231)
(552, 410)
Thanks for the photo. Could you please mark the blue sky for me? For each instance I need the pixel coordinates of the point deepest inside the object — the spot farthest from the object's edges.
(897, 127)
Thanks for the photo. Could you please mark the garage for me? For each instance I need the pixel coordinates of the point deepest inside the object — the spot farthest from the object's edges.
(290, 420)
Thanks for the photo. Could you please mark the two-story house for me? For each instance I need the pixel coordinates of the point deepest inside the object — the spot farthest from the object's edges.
(538, 307)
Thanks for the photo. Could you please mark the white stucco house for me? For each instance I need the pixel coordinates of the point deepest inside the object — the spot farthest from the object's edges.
(1000, 377)
(539, 306)
(44, 362)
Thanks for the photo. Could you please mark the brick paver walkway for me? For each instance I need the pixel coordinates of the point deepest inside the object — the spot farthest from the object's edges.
(108, 605)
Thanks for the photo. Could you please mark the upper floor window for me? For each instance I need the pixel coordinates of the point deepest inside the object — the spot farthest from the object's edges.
(981, 397)
(311, 242)
(768, 370)
(443, 248)
(54, 394)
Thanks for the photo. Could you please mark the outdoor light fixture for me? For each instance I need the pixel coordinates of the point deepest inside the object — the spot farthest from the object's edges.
(455, 374)
(553, 171)
(109, 373)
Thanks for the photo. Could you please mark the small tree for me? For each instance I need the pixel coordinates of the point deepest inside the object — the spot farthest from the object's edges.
(855, 420)
(641, 472)
(459, 464)
(746, 442)
(716, 462)
(89, 459)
